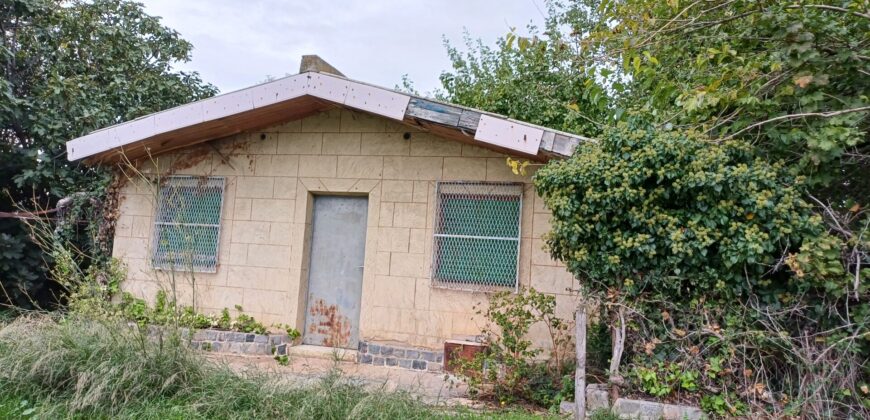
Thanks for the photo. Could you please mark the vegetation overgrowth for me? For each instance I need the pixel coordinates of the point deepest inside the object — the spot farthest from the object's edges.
(718, 214)
(69, 67)
(511, 369)
(719, 211)
(70, 366)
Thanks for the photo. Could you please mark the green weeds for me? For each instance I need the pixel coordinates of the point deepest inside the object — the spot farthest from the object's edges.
(76, 367)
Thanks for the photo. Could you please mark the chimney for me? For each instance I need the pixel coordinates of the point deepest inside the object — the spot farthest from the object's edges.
(315, 63)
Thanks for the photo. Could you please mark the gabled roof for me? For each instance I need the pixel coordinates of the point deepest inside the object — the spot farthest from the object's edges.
(304, 94)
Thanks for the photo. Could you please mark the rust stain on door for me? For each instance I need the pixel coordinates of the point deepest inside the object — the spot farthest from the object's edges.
(330, 324)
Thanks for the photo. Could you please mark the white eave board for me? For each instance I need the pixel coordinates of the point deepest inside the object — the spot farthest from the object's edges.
(91, 144)
(139, 128)
(180, 117)
(327, 87)
(361, 96)
(509, 134)
(377, 100)
(494, 130)
(229, 104)
(277, 91)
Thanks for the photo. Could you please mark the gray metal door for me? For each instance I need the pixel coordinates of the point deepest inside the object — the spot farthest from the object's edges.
(336, 271)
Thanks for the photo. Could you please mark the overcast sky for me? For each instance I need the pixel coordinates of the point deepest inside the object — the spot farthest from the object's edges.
(238, 43)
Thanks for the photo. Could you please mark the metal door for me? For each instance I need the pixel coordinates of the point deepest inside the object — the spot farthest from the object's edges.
(335, 271)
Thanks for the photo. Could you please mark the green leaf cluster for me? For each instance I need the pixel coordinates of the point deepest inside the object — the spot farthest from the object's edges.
(716, 123)
(668, 211)
(166, 311)
(509, 370)
(723, 263)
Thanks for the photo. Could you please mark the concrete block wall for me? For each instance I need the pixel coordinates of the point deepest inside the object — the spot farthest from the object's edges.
(271, 177)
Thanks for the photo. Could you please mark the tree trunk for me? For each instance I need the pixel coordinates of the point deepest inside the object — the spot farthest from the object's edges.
(580, 370)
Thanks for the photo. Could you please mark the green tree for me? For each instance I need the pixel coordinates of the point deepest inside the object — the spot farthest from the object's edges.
(70, 67)
(791, 78)
(643, 210)
(537, 78)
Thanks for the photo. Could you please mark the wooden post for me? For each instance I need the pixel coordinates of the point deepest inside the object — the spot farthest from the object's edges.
(580, 370)
(617, 334)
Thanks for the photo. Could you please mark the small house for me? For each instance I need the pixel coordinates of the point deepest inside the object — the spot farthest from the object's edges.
(354, 213)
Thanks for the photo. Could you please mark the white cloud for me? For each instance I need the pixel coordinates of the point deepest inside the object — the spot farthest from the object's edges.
(238, 43)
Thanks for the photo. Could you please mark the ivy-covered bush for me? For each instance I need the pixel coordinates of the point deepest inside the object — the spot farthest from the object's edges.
(732, 292)
(646, 210)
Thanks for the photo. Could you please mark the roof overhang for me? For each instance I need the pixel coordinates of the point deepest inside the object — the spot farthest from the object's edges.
(308, 93)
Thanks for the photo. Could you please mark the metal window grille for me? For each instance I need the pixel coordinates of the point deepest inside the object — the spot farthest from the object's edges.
(187, 226)
(477, 235)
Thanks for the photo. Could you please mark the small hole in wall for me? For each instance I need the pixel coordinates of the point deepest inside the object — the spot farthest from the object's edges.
(262, 136)
(406, 136)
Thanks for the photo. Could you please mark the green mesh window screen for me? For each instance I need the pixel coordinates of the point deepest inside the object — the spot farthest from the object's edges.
(187, 226)
(477, 235)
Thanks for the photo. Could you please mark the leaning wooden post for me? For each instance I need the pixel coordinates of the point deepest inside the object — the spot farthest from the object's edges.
(580, 370)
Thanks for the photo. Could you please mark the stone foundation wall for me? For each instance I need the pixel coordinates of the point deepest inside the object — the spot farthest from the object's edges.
(401, 357)
(233, 342)
(240, 343)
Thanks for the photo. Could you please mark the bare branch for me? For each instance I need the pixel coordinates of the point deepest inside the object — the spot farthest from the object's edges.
(796, 116)
(831, 8)
(832, 216)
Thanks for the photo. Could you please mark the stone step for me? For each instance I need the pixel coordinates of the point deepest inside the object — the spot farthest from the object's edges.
(321, 352)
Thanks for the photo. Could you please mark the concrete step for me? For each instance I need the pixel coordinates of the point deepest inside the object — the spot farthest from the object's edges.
(321, 352)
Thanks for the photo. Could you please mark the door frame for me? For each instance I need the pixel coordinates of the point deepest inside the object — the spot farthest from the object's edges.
(303, 234)
(333, 311)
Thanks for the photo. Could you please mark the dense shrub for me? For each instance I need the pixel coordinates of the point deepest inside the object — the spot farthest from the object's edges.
(646, 209)
(673, 229)
(727, 283)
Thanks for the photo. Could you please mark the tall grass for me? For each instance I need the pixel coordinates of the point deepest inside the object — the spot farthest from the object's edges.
(81, 368)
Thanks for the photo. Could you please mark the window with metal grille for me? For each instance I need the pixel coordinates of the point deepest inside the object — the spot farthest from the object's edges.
(187, 226)
(477, 235)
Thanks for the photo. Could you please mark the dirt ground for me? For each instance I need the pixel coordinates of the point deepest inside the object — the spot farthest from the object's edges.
(431, 387)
